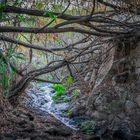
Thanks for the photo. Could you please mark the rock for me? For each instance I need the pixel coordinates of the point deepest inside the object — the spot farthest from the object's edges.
(61, 106)
(123, 135)
(78, 110)
(101, 132)
(58, 131)
(24, 139)
(88, 76)
(1, 110)
(99, 100)
(137, 100)
(7, 136)
(129, 106)
(99, 115)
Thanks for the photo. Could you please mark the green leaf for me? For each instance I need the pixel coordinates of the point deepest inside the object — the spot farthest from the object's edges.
(39, 6)
(2, 6)
(59, 89)
(21, 18)
(50, 14)
(10, 69)
(3, 78)
(16, 2)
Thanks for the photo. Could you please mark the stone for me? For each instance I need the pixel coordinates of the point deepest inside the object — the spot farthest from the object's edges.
(99, 115)
(129, 106)
(1, 110)
(88, 76)
(99, 100)
(58, 131)
(137, 100)
(78, 110)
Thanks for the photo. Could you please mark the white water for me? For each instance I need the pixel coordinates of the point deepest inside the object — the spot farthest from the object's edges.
(41, 95)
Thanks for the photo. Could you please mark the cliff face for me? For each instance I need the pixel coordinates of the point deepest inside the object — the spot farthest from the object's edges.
(135, 54)
(114, 99)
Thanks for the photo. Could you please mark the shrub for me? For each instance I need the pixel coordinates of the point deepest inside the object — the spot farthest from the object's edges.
(59, 91)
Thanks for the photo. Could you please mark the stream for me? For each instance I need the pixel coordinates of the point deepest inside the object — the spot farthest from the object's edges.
(41, 94)
(41, 100)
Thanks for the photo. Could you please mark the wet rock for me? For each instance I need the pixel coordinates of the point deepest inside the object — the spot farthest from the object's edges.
(61, 106)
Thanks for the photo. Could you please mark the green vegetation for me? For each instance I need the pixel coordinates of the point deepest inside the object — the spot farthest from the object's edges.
(8, 74)
(2, 6)
(76, 93)
(59, 88)
(69, 113)
(69, 81)
(59, 91)
(87, 127)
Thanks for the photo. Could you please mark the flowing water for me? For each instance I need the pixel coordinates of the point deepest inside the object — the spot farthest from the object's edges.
(41, 95)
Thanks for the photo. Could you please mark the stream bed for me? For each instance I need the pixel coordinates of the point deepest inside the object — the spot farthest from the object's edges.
(42, 100)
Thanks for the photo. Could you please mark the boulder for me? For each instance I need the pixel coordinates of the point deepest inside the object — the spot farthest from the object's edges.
(137, 100)
(99, 115)
(129, 106)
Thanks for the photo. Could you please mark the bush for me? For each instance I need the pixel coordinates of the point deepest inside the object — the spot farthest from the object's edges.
(59, 91)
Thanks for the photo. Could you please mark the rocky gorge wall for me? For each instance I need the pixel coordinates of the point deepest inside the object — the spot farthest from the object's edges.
(113, 105)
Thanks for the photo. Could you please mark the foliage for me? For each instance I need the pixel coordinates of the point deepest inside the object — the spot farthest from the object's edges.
(69, 81)
(76, 93)
(69, 113)
(50, 77)
(14, 55)
(21, 18)
(2, 7)
(87, 127)
(42, 18)
(59, 91)
(17, 3)
(51, 15)
(8, 75)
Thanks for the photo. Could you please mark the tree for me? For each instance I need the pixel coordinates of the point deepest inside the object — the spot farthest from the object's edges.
(99, 22)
